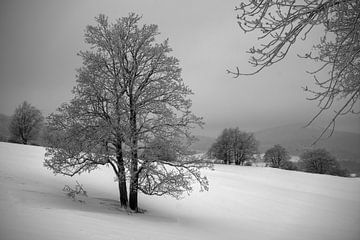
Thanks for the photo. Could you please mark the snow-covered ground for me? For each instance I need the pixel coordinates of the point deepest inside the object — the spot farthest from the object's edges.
(242, 203)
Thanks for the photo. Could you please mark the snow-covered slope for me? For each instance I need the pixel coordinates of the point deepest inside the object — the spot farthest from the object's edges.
(243, 203)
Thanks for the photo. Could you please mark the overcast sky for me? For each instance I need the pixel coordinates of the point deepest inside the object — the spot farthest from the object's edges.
(39, 41)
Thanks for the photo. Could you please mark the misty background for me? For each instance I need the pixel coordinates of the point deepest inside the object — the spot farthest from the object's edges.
(39, 41)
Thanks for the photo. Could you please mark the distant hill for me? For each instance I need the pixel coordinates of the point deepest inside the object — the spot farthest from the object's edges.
(4, 126)
(203, 144)
(295, 138)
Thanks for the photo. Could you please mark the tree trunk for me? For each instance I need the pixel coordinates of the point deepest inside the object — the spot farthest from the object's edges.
(121, 175)
(23, 139)
(133, 198)
(133, 203)
(123, 193)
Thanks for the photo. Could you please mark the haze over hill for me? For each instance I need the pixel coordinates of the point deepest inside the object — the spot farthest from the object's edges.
(4, 126)
(295, 138)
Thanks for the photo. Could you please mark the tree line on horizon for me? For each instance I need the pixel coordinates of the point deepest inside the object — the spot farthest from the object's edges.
(234, 146)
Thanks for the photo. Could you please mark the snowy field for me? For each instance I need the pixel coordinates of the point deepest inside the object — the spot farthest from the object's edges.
(243, 203)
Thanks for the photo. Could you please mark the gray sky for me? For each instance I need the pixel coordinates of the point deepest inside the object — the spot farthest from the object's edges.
(39, 41)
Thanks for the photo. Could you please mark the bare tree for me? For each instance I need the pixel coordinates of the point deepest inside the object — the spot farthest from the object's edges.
(283, 22)
(276, 156)
(26, 123)
(129, 92)
(234, 146)
(322, 162)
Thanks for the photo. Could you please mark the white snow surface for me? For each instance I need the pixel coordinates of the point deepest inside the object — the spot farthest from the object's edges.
(242, 203)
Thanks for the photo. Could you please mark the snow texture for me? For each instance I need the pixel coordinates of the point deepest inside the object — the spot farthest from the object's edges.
(242, 203)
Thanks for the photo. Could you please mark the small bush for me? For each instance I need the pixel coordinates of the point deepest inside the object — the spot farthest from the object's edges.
(3, 138)
(73, 193)
(342, 172)
(12, 140)
(287, 165)
(248, 163)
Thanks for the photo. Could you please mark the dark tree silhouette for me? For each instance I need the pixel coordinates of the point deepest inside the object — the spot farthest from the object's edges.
(26, 123)
(277, 156)
(234, 146)
(321, 161)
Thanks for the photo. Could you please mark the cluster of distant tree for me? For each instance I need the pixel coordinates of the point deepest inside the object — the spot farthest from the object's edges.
(234, 146)
(237, 147)
(312, 160)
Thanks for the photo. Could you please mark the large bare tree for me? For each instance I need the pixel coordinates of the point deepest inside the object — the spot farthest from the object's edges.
(129, 92)
(282, 22)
